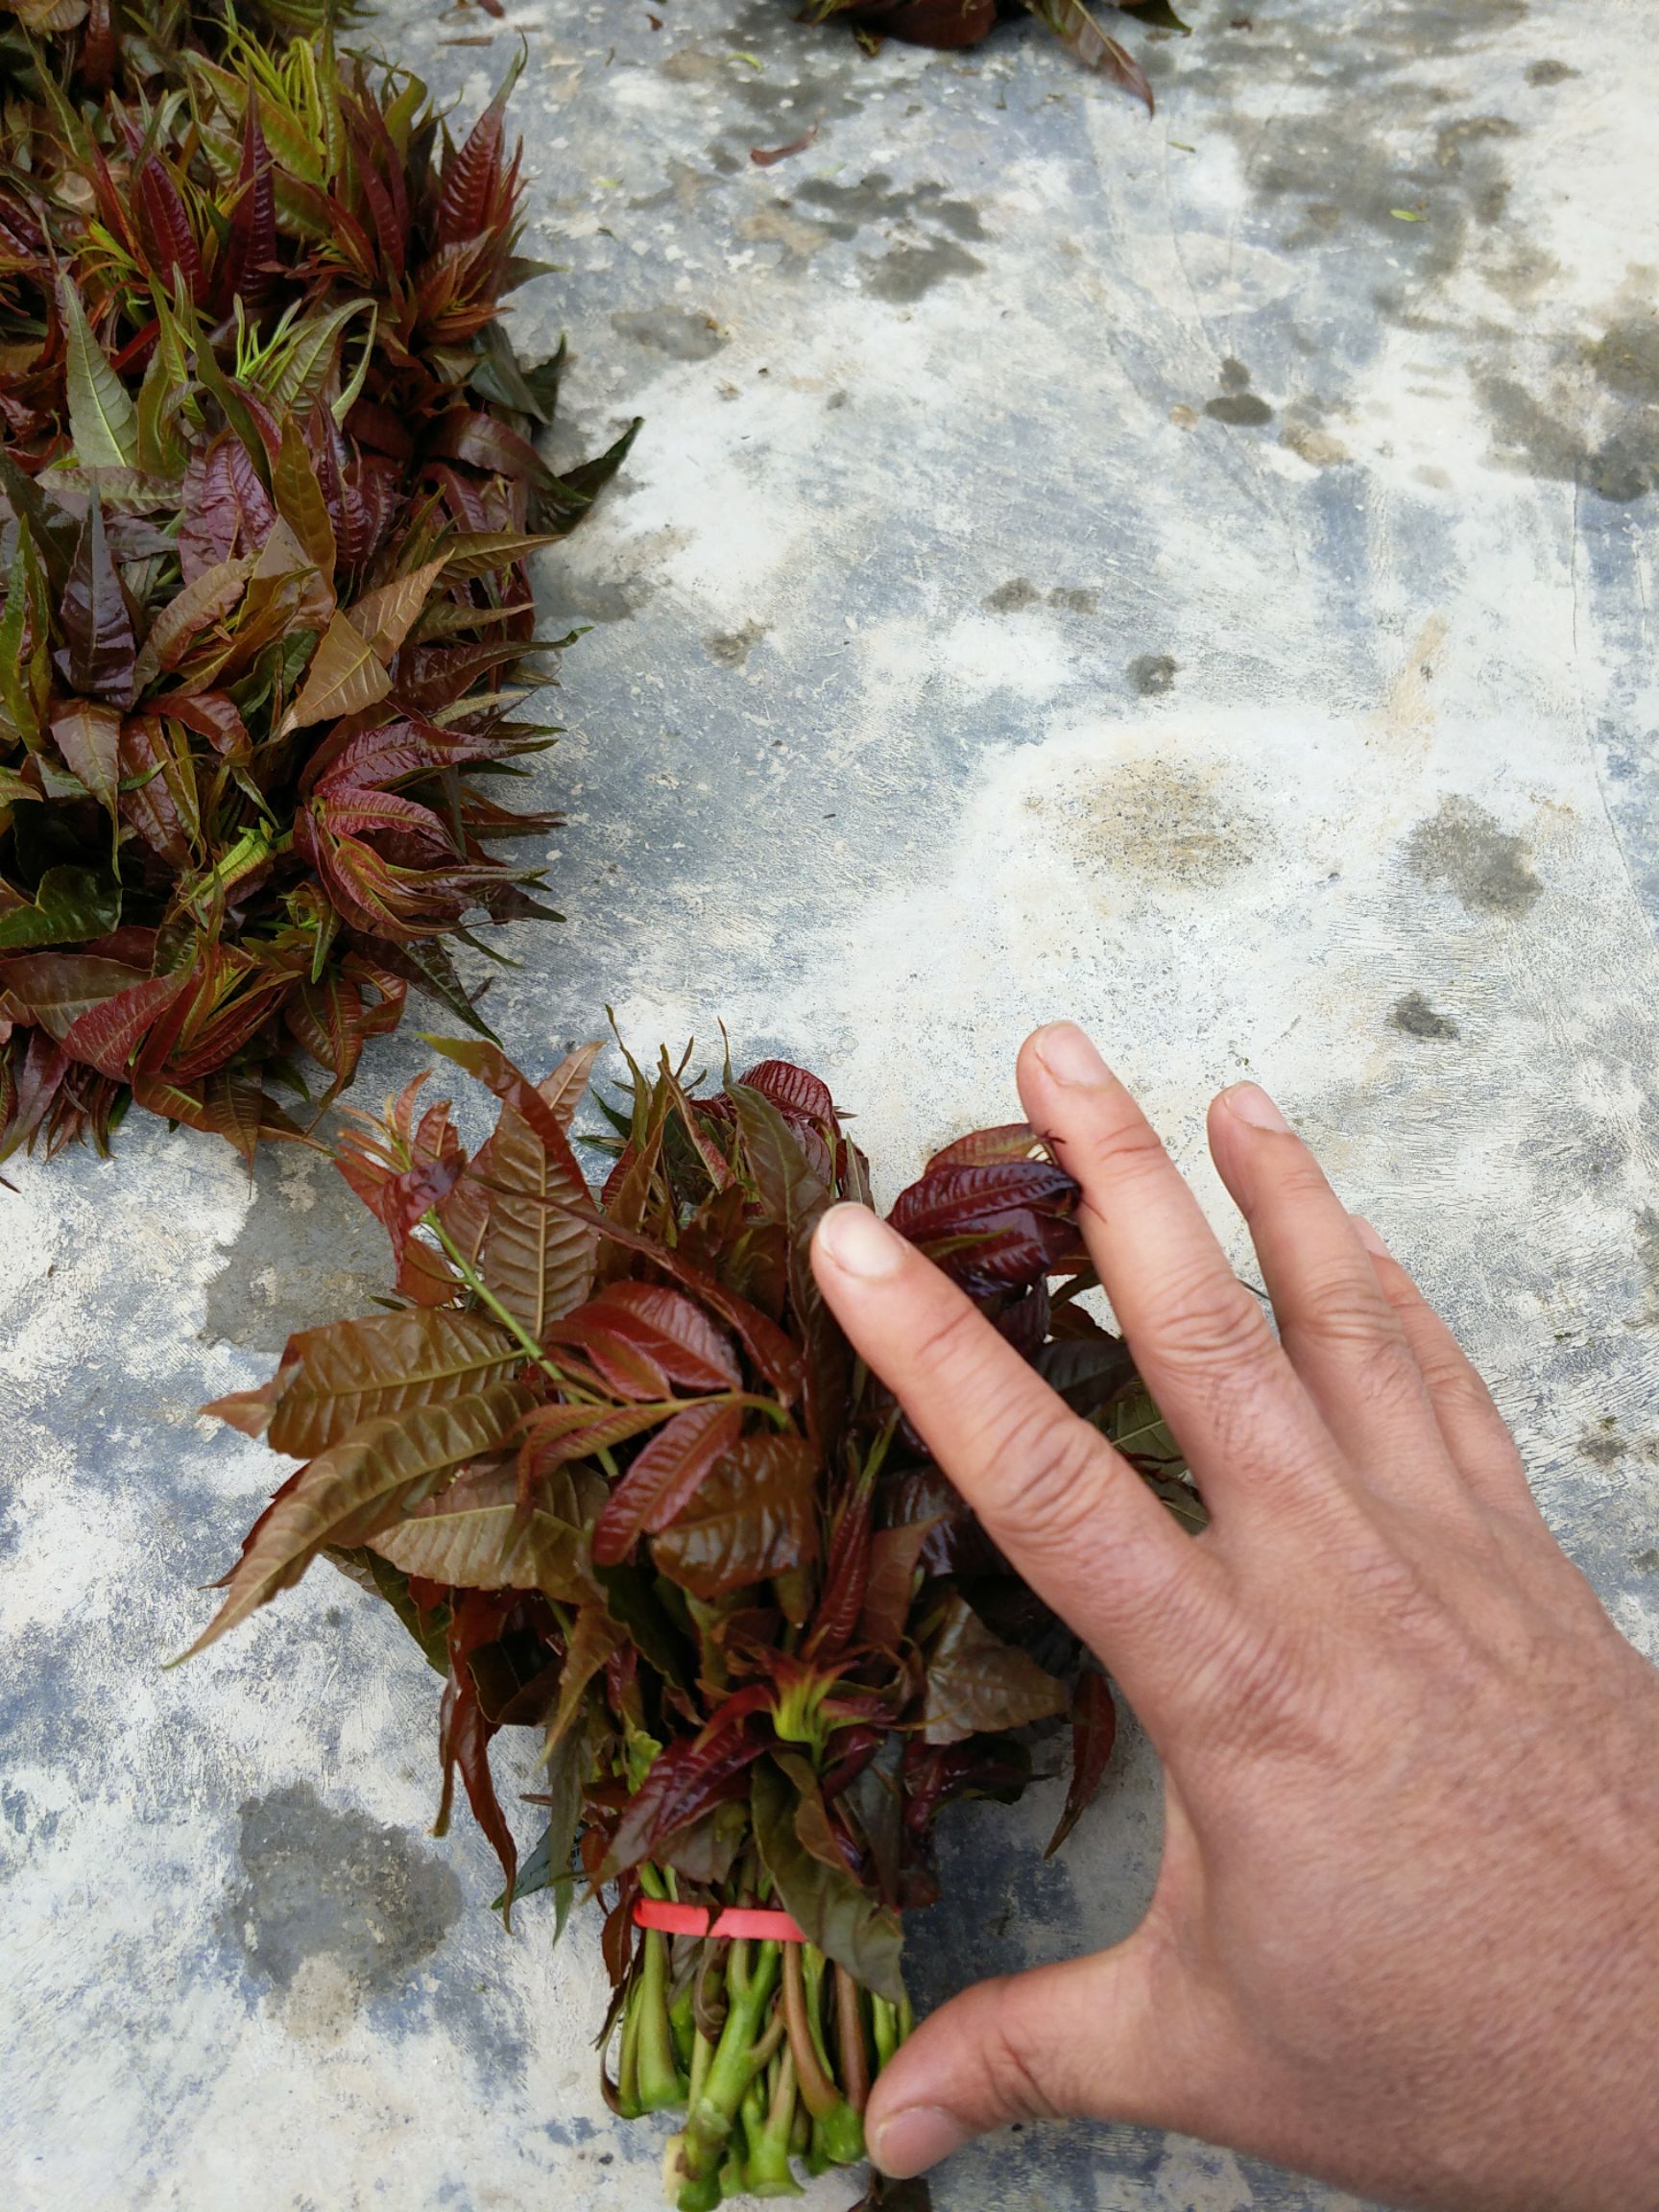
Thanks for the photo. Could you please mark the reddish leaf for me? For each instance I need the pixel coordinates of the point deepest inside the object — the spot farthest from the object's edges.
(248, 261)
(109, 1034)
(688, 1780)
(754, 1517)
(986, 1147)
(358, 1486)
(664, 1478)
(102, 655)
(334, 1380)
(993, 1227)
(1094, 1732)
(464, 1742)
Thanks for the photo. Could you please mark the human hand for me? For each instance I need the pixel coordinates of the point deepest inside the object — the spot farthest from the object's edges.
(1405, 1933)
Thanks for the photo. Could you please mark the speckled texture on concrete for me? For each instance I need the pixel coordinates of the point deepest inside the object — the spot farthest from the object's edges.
(1193, 576)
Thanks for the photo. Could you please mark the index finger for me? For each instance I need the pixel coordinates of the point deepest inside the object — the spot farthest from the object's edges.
(1067, 1510)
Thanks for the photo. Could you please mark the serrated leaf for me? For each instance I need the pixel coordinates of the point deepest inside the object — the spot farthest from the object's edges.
(356, 1488)
(298, 497)
(665, 1477)
(333, 1379)
(475, 1537)
(201, 603)
(754, 1517)
(55, 989)
(386, 616)
(103, 423)
(345, 677)
(487, 552)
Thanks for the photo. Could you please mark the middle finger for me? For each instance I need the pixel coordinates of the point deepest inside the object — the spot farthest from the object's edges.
(1249, 1430)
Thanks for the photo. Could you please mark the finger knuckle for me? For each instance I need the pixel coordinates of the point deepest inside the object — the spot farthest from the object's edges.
(1054, 1469)
(1121, 1153)
(1208, 1324)
(1015, 2075)
(952, 1341)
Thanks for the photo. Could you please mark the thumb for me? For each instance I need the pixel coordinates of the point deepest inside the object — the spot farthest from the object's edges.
(1073, 2040)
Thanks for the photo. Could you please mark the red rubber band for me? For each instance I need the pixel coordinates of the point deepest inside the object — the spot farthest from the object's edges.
(735, 1921)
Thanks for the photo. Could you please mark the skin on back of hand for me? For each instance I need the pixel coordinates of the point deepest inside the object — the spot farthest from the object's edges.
(1406, 1934)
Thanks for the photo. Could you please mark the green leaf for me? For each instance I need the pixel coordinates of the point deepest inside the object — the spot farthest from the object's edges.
(71, 906)
(845, 1921)
(549, 1864)
(103, 422)
(25, 684)
(474, 1537)
(357, 1489)
(333, 1379)
(978, 1683)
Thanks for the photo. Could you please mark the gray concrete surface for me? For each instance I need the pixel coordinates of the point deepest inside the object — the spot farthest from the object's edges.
(1193, 574)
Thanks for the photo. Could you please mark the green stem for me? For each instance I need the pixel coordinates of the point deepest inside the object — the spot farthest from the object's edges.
(714, 2112)
(768, 2170)
(813, 1963)
(702, 2058)
(488, 1299)
(628, 2060)
(659, 2085)
(884, 2026)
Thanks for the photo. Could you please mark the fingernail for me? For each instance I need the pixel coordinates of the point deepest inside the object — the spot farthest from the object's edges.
(1252, 1105)
(861, 1242)
(1068, 1056)
(912, 2141)
(1368, 1237)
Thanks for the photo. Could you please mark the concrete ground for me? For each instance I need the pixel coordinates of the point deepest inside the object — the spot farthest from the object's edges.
(1194, 574)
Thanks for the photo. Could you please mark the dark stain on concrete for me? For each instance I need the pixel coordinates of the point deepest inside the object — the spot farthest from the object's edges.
(682, 333)
(322, 1882)
(1236, 404)
(1239, 410)
(1549, 72)
(1602, 1445)
(1560, 443)
(1416, 1017)
(1152, 674)
(732, 648)
(1462, 849)
(908, 272)
(1646, 1562)
(847, 209)
(306, 1253)
(1625, 358)
(1010, 598)
(1075, 600)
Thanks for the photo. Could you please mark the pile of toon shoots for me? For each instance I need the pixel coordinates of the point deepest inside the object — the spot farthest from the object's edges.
(614, 1466)
(959, 23)
(267, 489)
